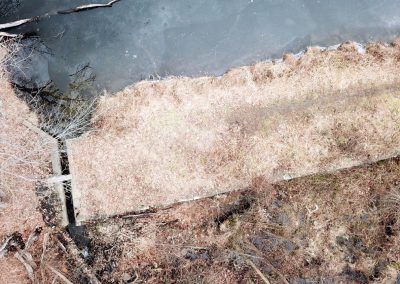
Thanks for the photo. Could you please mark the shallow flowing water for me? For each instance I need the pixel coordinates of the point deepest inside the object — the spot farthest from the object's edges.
(142, 39)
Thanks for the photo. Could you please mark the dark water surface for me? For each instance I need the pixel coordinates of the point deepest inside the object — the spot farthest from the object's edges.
(140, 39)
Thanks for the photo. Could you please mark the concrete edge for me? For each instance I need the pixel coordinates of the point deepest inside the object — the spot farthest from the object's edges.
(283, 177)
(75, 192)
(56, 167)
(289, 177)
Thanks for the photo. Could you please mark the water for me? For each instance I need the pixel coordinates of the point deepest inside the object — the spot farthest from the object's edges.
(141, 39)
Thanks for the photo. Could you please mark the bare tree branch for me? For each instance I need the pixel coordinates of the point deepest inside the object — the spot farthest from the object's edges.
(62, 12)
(16, 23)
(88, 7)
(28, 268)
(59, 274)
(4, 34)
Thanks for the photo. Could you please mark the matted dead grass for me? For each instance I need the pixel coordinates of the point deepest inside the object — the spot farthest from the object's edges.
(24, 162)
(323, 228)
(333, 228)
(18, 174)
(157, 143)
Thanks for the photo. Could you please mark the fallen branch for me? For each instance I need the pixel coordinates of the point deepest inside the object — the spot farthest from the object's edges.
(252, 265)
(4, 246)
(28, 268)
(14, 241)
(44, 248)
(28, 258)
(262, 276)
(55, 279)
(59, 274)
(33, 237)
(16, 23)
(62, 12)
(276, 271)
(88, 7)
(4, 34)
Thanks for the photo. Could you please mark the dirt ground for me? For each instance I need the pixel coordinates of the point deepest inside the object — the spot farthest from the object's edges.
(333, 228)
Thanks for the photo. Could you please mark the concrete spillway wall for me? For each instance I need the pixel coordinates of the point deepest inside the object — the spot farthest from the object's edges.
(56, 181)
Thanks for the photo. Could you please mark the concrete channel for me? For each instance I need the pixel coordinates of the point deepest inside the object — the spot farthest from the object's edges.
(56, 181)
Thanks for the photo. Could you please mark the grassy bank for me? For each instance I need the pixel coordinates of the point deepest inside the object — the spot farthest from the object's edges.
(237, 137)
(156, 143)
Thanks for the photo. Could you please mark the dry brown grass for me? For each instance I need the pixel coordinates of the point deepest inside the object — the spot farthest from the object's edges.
(20, 168)
(24, 162)
(181, 138)
(239, 131)
(330, 228)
